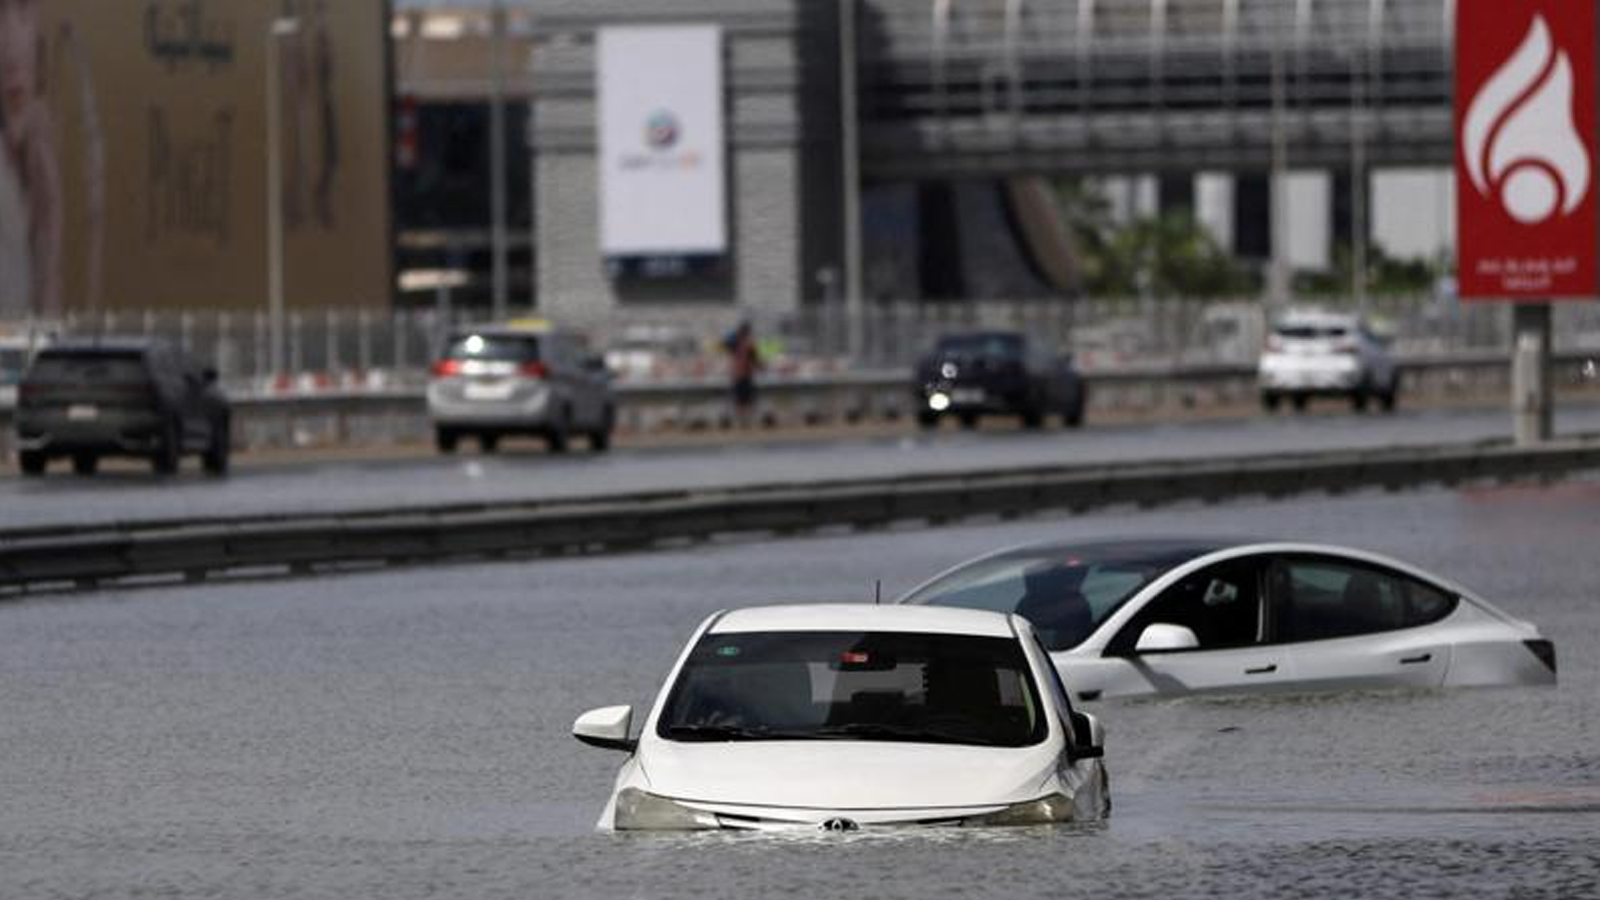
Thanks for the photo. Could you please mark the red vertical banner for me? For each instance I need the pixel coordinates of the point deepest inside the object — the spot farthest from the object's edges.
(1525, 149)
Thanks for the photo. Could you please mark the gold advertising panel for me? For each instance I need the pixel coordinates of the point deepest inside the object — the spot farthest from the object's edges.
(134, 171)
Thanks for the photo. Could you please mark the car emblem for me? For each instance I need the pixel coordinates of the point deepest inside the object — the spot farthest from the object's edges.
(840, 824)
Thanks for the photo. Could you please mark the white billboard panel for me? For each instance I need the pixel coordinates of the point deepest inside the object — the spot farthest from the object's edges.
(661, 155)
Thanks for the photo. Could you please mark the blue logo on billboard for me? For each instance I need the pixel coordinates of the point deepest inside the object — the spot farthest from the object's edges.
(661, 130)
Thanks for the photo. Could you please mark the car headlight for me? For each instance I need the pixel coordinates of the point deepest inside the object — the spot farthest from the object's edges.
(642, 811)
(1054, 808)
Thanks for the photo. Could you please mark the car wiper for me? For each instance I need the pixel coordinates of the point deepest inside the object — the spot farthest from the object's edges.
(734, 733)
(902, 733)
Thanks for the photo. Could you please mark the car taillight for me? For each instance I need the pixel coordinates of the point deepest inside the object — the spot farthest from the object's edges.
(445, 368)
(533, 369)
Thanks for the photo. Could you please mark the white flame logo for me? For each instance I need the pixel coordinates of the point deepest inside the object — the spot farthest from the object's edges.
(1520, 139)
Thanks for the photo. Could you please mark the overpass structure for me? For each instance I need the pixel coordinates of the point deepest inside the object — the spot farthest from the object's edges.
(967, 87)
(1162, 94)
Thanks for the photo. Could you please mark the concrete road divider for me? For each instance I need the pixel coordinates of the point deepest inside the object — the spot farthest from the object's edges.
(66, 557)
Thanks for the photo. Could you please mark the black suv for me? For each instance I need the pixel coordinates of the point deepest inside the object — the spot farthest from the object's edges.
(977, 373)
(86, 399)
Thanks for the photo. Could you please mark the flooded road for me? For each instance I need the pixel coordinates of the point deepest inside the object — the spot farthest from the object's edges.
(404, 733)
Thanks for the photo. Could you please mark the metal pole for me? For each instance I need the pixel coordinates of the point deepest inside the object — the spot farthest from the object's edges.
(1278, 274)
(281, 28)
(1358, 184)
(850, 147)
(497, 160)
(1531, 407)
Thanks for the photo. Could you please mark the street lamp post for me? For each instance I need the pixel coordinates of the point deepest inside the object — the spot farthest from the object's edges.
(850, 148)
(280, 29)
(497, 161)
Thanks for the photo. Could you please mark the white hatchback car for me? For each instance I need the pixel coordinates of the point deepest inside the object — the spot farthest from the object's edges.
(1131, 617)
(1310, 353)
(842, 716)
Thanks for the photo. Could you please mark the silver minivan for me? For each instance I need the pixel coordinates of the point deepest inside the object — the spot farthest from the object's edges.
(491, 381)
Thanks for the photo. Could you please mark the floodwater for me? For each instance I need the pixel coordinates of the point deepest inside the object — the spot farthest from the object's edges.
(403, 734)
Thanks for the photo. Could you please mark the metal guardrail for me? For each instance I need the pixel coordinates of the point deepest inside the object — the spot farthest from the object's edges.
(340, 417)
(67, 557)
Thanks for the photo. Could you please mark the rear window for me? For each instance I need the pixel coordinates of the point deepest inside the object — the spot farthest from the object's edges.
(493, 348)
(89, 368)
(1309, 332)
(993, 346)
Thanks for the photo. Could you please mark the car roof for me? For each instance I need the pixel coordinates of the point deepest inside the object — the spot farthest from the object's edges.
(1176, 548)
(82, 345)
(513, 328)
(1317, 317)
(980, 333)
(865, 617)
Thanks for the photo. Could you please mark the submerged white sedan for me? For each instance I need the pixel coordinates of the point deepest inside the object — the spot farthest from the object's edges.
(839, 717)
(1137, 617)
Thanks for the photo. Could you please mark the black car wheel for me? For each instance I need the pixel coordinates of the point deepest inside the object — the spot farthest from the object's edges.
(1358, 399)
(1299, 401)
(1032, 418)
(1270, 401)
(85, 463)
(169, 449)
(1073, 418)
(488, 441)
(445, 440)
(1387, 399)
(556, 438)
(32, 462)
(215, 459)
(928, 419)
(969, 421)
(600, 438)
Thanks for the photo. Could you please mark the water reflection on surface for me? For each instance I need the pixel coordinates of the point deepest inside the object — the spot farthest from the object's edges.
(405, 734)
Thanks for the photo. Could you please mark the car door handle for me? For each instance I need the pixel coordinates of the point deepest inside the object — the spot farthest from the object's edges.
(1267, 669)
(1414, 660)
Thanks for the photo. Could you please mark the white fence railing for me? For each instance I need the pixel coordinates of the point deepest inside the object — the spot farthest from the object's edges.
(342, 349)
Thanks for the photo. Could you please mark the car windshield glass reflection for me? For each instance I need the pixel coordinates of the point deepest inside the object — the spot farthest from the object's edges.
(89, 368)
(1066, 593)
(988, 346)
(864, 686)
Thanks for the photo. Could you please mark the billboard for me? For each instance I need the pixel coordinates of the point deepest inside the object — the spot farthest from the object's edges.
(1525, 149)
(663, 203)
(134, 171)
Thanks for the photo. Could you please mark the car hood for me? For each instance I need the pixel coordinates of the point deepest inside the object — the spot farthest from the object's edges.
(846, 775)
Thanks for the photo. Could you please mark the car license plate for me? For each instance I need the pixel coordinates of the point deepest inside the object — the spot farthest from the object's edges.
(83, 412)
(487, 390)
(967, 395)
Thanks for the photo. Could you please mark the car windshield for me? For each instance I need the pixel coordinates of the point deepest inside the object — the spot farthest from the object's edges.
(990, 346)
(1066, 593)
(858, 686)
(493, 348)
(89, 368)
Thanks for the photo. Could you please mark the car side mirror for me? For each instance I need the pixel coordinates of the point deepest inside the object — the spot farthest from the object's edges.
(1088, 737)
(606, 728)
(1163, 638)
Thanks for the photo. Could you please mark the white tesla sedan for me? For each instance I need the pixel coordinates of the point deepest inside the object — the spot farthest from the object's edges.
(1131, 617)
(845, 716)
